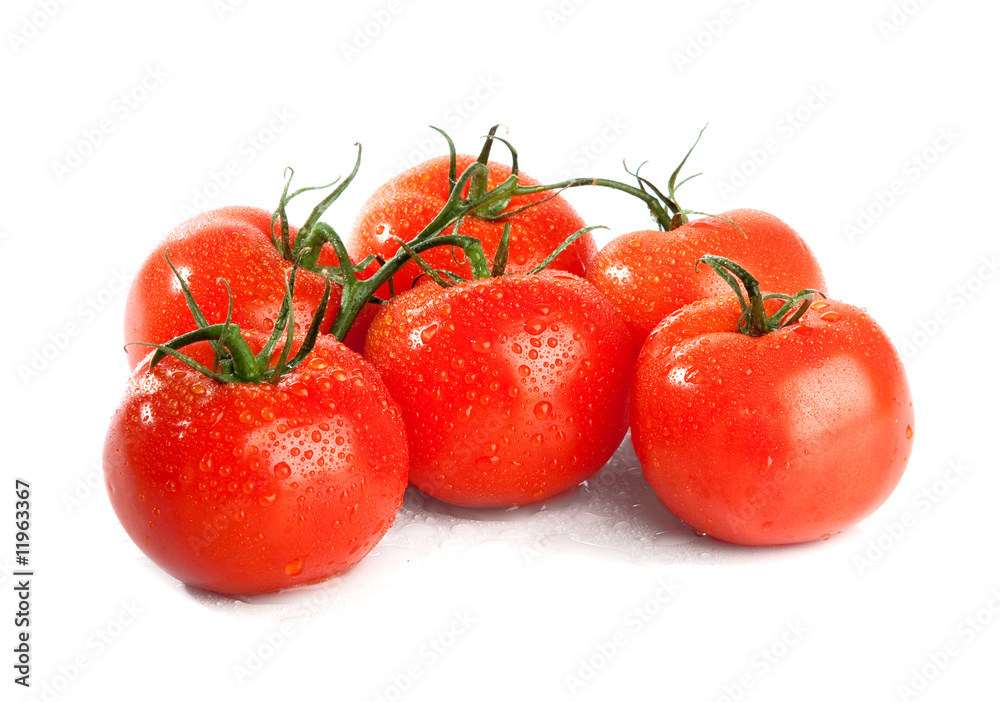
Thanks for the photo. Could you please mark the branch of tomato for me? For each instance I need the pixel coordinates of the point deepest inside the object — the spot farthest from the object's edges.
(357, 292)
(235, 362)
(755, 321)
(481, 202)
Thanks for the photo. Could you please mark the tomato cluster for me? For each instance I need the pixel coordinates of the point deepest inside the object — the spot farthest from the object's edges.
(469, 339)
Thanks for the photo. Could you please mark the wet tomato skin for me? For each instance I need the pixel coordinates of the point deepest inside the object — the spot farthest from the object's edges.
(404, 205)
(784, 438)
(513, 389)
(243, 489)
(650, 274)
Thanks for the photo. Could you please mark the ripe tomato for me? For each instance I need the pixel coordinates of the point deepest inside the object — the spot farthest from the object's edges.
(781, 438)
(404, 205)
(513, 388)
(243, 488)
(649, 274)
(231, 243)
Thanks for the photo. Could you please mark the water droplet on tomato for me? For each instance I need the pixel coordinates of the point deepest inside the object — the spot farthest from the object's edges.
(543, 409)
(534, 326)
(295, 567)
(428, 332)
(819, 305)
(537, 440)
(481, 345)
(246, 417)
(909, 432)
(318, 364)
(282, 470)
(830, 317)
(267, 500)
(298, 389)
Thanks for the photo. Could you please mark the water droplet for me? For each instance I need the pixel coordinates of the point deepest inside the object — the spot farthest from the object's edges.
(543, 409)
(830, 317)
(282, 470)
(819, 305)
(481, 345)
(318, 364)
(267, 414)
(525, 371)
(298, 389)
(537, 440)
(295, 567)
(909, 432)
(266, 500)
(198, 389)
(428, 332)
(246, 417)
(339, 374)
(534, 326)
(825, 537)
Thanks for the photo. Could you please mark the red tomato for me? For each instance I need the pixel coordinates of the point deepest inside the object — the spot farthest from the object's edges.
(650, 274)
(403, 206)
(782, 438)
(513, 388)
(231, 243)
(243, 488)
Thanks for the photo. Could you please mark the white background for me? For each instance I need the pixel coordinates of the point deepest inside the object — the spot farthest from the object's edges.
(549, 590)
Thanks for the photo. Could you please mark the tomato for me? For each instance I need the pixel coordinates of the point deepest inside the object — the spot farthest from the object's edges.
(513, 389)
(404, 205)
(782, 438)
(232, 243)
(246, 488)
(649, 274)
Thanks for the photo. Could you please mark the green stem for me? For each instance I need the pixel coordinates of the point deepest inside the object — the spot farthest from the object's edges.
(755, 321)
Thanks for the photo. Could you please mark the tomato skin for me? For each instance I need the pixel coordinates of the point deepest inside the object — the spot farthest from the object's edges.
(783, 438)
(243, 489)
(231, 243)
(404, 205)
(513, 388)
(650, 274)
